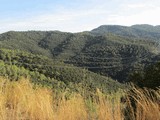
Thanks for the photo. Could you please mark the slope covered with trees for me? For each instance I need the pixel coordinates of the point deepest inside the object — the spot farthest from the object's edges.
(76, 76)
(149, 77)
(136, 31)
(111, 51)
(47, 72)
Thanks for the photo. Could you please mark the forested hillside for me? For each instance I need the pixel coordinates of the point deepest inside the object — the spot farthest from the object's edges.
(47, 72)
(110, 54)
(88, 75)
(135, 31)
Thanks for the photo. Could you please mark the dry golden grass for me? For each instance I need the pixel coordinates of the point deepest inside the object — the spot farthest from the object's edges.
(109, 107)
(146, 104)
(18, 100)
(72, 109)
(21, 101)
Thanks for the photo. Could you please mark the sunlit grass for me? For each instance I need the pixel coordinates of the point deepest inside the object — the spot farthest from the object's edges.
(144, 104)
(20, 100)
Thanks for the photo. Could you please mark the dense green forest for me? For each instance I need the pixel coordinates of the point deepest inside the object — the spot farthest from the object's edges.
(47, 72)
(97, 58)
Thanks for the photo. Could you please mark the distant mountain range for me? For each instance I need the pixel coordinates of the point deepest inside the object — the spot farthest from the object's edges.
(110, 50)
(139, 31)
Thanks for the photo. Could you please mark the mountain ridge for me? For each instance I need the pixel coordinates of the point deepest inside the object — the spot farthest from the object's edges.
(109, 54)
(137, 31)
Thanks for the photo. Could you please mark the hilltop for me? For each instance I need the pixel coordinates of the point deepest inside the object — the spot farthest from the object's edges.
(110, 50)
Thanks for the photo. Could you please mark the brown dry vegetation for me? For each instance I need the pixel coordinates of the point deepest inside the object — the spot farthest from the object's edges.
(20, 100)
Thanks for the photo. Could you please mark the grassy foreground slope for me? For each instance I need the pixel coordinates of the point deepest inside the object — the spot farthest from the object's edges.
(21, 100)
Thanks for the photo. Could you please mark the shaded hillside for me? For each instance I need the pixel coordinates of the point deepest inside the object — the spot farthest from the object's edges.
(115, 56)
(35, 42)
(108, 54)
(149, 77)
(147, 27)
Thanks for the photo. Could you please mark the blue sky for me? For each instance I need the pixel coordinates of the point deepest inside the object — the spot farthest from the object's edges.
(75, 15)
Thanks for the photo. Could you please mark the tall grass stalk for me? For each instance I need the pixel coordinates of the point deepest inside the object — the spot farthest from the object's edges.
(20, 100)
(144, 104)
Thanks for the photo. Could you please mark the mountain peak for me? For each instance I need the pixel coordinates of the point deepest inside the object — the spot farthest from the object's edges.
(137, 30)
